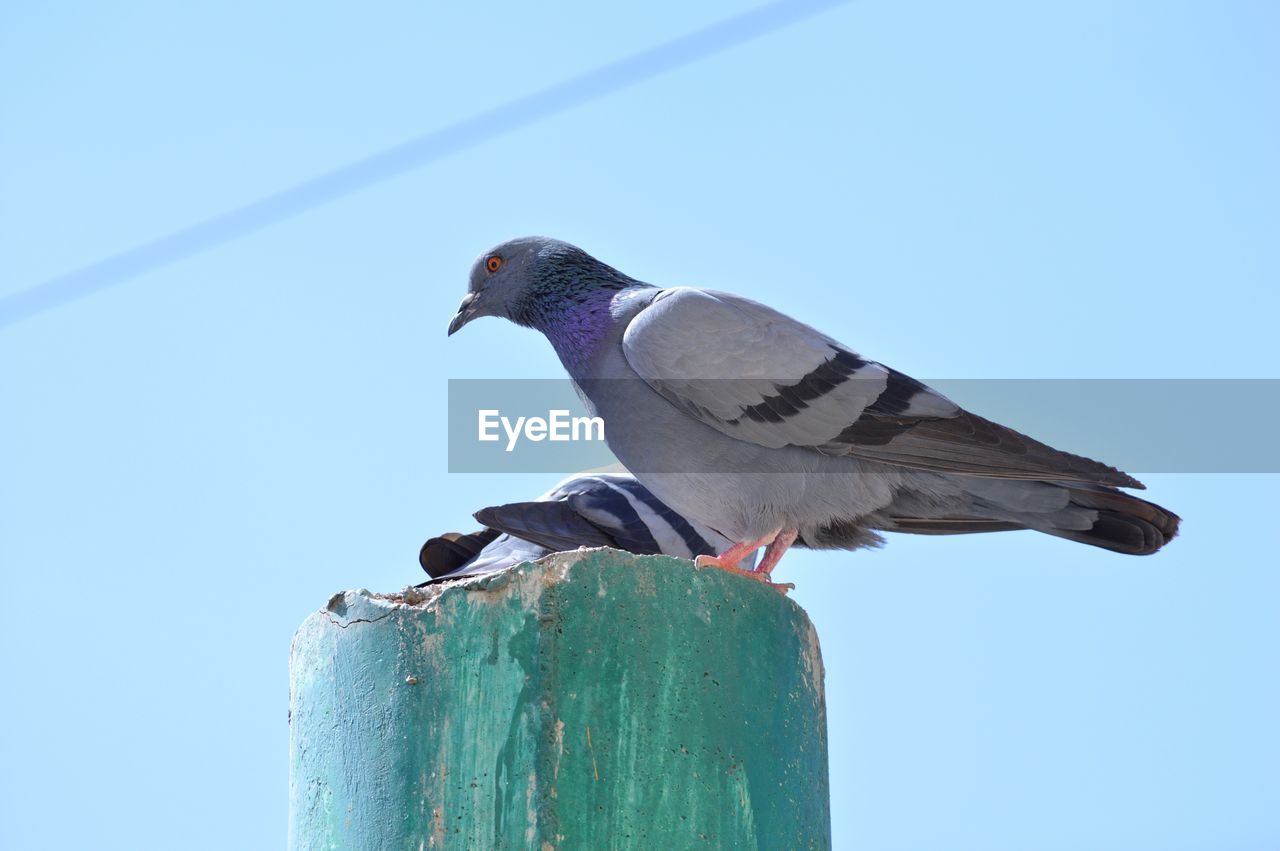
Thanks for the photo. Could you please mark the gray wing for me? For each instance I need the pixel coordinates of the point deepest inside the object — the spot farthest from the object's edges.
(762, 377)
(607, 511)
(583, 511)
(555, 525)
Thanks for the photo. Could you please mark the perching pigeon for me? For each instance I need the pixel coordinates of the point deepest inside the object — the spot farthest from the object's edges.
(751, 423)
(603, 510)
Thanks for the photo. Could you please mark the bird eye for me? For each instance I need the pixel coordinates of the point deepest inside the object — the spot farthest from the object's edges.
(493, 264)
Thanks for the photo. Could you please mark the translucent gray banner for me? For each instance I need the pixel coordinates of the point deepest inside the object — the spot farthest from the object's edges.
(1138, 425)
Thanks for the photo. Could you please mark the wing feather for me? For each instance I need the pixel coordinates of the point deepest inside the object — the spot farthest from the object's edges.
(762, 377)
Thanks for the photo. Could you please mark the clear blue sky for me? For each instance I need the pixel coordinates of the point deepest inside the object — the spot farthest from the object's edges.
(192, 462)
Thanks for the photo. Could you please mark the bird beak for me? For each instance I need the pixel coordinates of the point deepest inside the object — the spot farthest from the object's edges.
(466, 312)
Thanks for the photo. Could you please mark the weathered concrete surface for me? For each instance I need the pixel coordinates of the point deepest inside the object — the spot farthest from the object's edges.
(597, 700)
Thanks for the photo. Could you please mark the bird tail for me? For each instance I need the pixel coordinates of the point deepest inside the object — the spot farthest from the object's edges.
(443, 555)
(1124, 523)
(1097, 515)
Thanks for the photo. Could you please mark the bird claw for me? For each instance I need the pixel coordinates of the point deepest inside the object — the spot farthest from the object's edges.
(758, 576)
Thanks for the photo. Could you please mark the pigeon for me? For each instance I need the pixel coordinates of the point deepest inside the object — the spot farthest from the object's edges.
(602, 510)
(749, 422)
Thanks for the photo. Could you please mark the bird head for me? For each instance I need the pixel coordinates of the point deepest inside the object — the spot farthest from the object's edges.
(523, 279)
(502, 277)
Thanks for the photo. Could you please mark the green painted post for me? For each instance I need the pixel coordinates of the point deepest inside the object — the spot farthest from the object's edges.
(596, 700)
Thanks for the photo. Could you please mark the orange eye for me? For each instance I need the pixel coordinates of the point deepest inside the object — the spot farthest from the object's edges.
(493, 264)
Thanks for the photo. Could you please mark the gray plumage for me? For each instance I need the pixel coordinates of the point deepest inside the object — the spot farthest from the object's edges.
(603, 510)
(748, 421)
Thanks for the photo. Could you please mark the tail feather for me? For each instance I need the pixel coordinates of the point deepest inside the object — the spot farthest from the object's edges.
(1125, 523)
(448, 552)
(1097, 515)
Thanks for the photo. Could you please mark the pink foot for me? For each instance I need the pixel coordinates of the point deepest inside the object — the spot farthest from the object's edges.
(732, 556)
(779, 545)
(728, 560)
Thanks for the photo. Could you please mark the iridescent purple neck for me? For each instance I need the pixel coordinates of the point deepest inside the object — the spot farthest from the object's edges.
(570, 297)
(578, 328)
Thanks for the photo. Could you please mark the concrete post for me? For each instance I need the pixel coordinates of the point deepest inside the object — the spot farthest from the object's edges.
(597, 700)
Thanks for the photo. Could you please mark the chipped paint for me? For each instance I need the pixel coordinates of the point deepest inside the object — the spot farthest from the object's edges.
(595, 699)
